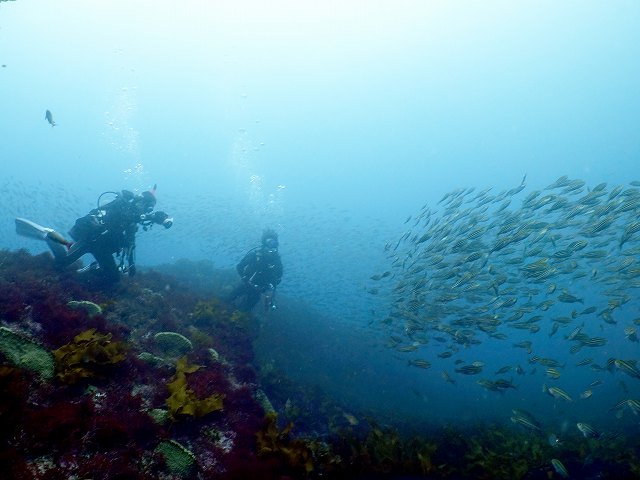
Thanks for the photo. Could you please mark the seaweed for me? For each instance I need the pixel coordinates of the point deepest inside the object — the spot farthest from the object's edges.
(97, 418)
(274, 442)
(205, 313)
(183, 400)
(87, 356)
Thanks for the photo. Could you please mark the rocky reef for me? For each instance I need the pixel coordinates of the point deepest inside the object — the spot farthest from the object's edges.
(149, 380)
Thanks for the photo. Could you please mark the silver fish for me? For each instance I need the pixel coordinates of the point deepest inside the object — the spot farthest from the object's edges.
(559, 468)
(587, 430)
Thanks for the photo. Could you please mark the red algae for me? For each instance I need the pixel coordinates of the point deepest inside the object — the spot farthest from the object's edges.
(110, 426)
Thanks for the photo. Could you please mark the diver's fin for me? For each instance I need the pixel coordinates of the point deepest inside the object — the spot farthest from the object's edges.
(91, 266)
(59, 251)
(30, 229)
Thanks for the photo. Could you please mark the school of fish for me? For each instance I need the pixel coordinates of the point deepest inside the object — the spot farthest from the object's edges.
(560, 263)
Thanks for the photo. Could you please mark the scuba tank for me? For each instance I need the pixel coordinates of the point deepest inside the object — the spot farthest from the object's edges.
(87, 228)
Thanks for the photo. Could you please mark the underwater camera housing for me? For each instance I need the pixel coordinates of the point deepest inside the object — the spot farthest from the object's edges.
(158, 218)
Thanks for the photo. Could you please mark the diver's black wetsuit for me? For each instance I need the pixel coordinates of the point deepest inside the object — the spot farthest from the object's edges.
(111, 229)
(260, 270)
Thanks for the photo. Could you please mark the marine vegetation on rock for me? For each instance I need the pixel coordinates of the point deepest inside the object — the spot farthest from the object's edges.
(183, 400)
(113, 413)
(172, 344)
(87, 356)
(26, 353)
(91, 308)
(273, 441)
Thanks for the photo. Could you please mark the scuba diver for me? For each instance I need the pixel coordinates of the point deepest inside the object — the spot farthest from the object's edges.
(106, 230)
(260, 272)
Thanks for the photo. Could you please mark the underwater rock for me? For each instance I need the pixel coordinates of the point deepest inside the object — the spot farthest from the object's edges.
(180, 461)
(224, 440)
(173, 344)
(91, 308)
(26, 353)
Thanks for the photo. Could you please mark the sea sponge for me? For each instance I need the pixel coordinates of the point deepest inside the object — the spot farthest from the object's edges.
(180, 461)
(87, 355)
(173, 344)
(26, 353)
(91, 308)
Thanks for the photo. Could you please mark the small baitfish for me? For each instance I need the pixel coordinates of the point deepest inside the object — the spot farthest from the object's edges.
(49, 117)
(587, 430)
(553, 440)
(559, 468)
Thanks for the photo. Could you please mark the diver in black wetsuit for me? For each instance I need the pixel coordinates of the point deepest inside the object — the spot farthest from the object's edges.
(106, 230)
(260, 272)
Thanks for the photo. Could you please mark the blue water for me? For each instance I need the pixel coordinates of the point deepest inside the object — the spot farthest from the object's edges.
(331, 123)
